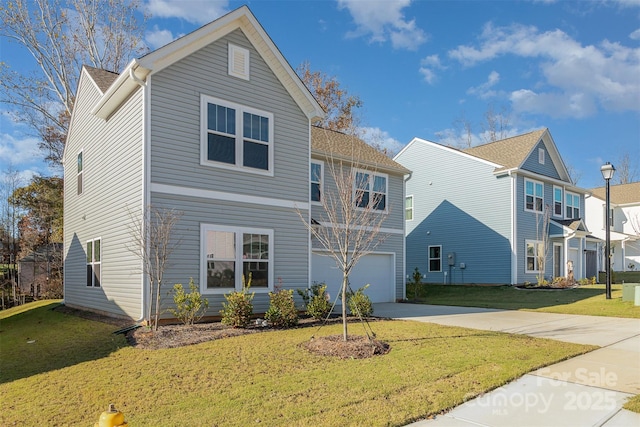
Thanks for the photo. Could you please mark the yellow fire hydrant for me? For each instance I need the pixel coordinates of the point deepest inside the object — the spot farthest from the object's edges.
(111, 418)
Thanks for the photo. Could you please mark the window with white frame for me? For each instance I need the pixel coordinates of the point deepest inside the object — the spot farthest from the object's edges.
(534, 254)
(604, 218)
(317, 170)
(435, 259)
(370, 191)
(80, 173)
(572, 203)
(408, 208)
(94, 263)
(534, 195)
(231, 253)
(541, 155)
(557, 201)
(235, 136)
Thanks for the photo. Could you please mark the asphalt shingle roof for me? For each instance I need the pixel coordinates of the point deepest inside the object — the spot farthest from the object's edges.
(510, 152)
(620, 194)
(103, 78)
(341, 146)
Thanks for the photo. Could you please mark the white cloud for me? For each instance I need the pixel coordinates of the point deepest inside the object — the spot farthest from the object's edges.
(195, 11)
(18, 151)
(428, 65)
(157, 38)
(484, 90)
(635, 35)
(380, 139)
(578, 77)
(384, 20)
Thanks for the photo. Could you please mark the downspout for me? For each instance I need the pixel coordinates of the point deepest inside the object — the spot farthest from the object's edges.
(514, 231)
(144, 297)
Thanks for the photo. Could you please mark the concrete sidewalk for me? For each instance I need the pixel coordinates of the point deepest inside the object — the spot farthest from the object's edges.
(588, 390)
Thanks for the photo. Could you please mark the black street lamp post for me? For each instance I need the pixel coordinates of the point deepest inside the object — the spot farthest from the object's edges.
(607, 173)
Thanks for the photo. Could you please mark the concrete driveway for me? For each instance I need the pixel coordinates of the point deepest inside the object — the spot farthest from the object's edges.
(588, 390)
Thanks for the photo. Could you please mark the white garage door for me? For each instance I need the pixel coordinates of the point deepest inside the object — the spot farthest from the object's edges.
(375, 269)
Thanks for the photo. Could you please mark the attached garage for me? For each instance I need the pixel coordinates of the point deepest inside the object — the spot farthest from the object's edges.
(378, 270)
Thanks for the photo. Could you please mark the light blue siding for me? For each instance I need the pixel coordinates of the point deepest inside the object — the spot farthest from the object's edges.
(532, 164)
(461, 205)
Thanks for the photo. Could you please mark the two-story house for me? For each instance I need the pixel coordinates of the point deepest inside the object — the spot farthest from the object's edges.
(216, 125)
(624, 224)
(477, 215)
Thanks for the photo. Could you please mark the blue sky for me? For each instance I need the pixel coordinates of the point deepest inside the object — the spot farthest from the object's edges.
(571, 66)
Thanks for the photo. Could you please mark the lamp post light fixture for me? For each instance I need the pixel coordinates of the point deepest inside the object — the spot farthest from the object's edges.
(607, 173)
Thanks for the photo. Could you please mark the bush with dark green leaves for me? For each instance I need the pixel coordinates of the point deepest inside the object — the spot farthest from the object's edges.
(316, 300)
(282, 312)
(238, 309)
(359, 303)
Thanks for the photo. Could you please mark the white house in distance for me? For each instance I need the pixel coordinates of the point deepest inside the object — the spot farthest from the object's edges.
(625, 224)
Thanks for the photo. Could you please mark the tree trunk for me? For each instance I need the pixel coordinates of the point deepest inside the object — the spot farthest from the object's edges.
(345, 281)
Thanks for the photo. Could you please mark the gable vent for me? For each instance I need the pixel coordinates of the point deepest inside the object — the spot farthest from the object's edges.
(238, 62)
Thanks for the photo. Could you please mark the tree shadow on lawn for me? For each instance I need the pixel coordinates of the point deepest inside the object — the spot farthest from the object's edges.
(44, 339)
(503, 297)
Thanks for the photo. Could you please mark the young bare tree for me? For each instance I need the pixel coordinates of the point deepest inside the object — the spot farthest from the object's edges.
(542, 251)
(352, 213)
(339, 106)
(153, 242)
(61, 36)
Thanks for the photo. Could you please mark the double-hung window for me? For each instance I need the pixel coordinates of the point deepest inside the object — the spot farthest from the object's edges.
(534, 195)
(317, 170)
(535, 255)
(557, 201)
(236, 137)
(94, 263)
(435, 259)
(572, 206)
(408, 208)
(370, 191)
(231, 255)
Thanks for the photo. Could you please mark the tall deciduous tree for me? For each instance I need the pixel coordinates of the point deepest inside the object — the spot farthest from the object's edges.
(61, 36)
(626, 169)
(339, 106)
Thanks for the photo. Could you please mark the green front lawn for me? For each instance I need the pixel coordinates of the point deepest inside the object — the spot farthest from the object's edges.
(587, 300)
(74, 368)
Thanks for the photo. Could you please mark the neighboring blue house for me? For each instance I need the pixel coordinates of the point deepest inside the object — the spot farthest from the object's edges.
(476, 215)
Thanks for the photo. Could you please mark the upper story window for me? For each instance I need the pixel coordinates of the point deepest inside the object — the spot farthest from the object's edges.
(317, 170)
(435, 259)
(80, 173)
(94, 263)
(236, 137)
(370, 191)
(238, 62)
(572, 203)
(534, 195)
(230, 254)
(408, 208)
(541, 155)
(557, 201)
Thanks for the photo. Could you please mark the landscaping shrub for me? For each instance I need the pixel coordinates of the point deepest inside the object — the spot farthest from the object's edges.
(316, 300)
(190, 307)
(238, 309)
(359, 303)
(282, 312)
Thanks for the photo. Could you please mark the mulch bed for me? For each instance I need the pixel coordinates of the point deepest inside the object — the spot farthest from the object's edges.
(171, 336)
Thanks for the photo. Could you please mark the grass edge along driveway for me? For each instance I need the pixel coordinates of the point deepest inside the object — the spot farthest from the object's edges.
(264, 378)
